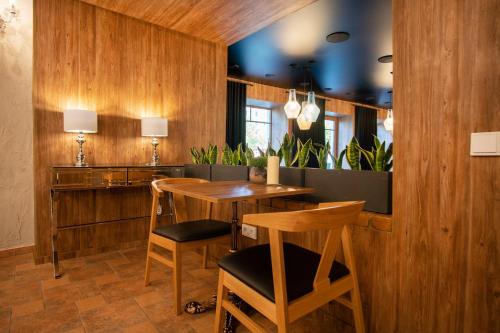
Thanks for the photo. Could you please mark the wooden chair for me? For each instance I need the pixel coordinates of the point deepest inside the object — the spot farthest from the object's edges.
(181, 236)
(285, 282)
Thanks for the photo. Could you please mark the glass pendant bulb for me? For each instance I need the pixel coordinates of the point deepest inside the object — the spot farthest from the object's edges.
(302, 122)
(388, 122)
(292, 107)
(311, 110)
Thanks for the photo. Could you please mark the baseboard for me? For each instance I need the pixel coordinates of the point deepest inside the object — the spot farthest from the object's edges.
(14, 251)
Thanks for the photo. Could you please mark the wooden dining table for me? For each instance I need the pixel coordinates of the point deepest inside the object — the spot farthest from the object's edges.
(233, 192)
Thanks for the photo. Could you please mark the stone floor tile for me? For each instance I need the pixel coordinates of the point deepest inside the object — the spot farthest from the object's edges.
(56, 320)
(115, 317)
(27, 308)
(90, 303)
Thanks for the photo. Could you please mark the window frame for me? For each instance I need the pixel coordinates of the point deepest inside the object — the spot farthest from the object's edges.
(248, 109)
(335, 133)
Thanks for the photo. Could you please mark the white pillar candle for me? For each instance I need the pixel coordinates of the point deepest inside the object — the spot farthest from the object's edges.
(273, 170)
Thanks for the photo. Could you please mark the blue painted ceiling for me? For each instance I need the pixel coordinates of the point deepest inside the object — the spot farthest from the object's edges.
(348, 70)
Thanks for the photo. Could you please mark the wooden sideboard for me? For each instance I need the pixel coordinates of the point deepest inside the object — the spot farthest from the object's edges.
(100, 207)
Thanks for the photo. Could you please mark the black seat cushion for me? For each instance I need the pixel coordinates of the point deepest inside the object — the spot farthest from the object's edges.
(253, 267)
(194, 230)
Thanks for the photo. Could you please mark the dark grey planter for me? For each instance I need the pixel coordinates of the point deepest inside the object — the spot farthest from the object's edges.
(291, 176)
(229, 172)
(201, 171)
(342, 185)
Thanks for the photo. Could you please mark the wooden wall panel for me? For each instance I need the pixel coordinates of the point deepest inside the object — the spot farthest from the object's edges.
(267, 93)
(446, 203)
(88, 57)
(221, 21)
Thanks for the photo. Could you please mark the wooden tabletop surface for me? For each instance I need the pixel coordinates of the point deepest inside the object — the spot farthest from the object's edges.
(231, 191)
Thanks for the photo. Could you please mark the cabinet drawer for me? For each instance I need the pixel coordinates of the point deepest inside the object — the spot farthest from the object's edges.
(84, 177)
(141, 176)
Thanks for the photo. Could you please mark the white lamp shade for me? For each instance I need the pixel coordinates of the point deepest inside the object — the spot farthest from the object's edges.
(302, 121)
(311, 110)
(154, 126)
(292, 107)
(80, 121)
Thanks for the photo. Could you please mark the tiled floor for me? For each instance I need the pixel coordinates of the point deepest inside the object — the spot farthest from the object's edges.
(105, 293)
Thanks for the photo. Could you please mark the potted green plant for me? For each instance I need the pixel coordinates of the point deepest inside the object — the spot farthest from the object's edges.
(373, 186)
(234, 164)
(203, 160)
(289, 155)
(258, 169)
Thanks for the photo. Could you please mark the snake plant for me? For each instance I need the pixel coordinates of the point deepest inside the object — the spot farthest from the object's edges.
(196, 156)
(379, 158)
(269, 151)
(203, 156)
(353, 154)
(337, 162)
(286, 151)
(303, 152)
(245, 155)
(321, 152)
(212, 152)
(230, 157)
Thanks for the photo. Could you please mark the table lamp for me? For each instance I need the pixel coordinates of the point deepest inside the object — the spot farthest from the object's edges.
(154, 127)
(81, 122)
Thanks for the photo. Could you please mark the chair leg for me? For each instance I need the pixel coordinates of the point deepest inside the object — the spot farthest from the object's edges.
(282, 325)
(204, 264)
(148, 265)
(221, 294)
(357, 309)
(177, 277)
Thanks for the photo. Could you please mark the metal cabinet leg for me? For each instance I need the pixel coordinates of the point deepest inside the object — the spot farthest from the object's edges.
(54, 198)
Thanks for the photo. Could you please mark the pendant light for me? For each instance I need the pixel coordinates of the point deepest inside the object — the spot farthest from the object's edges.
(303, 123)
(292, 107)
(311, 110)
(388, 122)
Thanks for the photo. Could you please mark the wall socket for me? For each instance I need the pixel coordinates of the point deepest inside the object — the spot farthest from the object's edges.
(249, 231)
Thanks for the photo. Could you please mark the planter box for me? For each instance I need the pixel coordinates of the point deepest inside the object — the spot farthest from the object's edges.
(197, 171)
(343, 185)
(229, 172)
(291, 176)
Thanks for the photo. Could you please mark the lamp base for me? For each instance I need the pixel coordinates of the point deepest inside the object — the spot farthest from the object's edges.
(80, 156)
(155, 160)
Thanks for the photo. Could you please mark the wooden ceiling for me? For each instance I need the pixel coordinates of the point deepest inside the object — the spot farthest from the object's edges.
(221, 21)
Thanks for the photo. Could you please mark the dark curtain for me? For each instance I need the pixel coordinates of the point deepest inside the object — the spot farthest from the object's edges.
(365, 127)
(236, 113)
(317, 130)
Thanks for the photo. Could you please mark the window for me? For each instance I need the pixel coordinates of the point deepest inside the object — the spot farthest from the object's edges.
(330, 138)
(258, 128)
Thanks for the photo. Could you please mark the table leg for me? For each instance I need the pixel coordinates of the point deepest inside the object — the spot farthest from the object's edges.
(234, 228)
(54, 205)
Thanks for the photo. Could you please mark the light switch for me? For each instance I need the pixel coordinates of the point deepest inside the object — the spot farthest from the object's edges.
(485, 144)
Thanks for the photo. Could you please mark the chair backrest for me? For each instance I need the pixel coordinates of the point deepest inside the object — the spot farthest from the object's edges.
(178, 201)
(331, 216)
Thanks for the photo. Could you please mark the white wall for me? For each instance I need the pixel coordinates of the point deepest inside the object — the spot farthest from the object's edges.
(16, 130)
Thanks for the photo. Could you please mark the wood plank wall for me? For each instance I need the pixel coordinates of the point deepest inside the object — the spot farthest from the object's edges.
(446, 203)
(124, 69)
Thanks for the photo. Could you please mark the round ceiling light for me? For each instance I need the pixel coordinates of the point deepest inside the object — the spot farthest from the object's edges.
(338, 37)
(385, 59)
